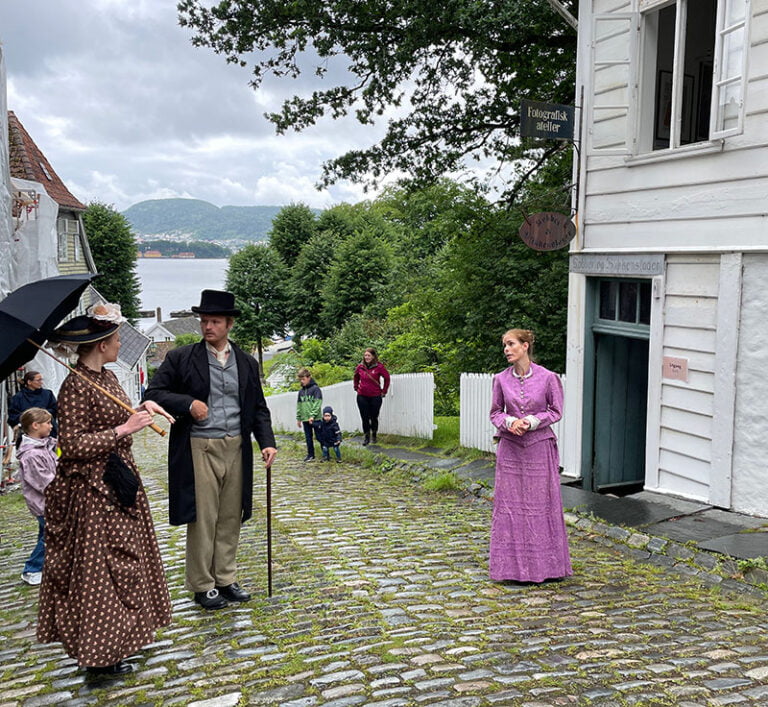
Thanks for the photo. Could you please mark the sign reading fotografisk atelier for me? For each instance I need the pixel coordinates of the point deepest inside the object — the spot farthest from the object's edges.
(550, 121)
(548, 230)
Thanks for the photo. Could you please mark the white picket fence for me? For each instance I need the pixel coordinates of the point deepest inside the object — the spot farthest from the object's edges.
(475, 429)
(407, 410)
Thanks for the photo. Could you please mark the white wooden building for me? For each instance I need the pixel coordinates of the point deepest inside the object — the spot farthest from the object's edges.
(667, 334)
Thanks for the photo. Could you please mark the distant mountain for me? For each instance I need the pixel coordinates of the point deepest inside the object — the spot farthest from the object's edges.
(200, 220)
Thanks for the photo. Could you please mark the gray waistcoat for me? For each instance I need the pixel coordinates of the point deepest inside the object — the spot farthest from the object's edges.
(223, 401)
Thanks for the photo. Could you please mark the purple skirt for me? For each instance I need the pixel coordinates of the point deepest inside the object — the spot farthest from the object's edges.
(528, 538)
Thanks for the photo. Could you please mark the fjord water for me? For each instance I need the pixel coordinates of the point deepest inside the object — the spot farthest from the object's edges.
(174, 284)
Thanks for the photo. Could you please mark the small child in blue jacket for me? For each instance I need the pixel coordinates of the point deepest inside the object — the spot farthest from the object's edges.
(328, 433)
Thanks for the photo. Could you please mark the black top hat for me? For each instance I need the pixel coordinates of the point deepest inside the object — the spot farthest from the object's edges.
(83, 330)
(217, 302)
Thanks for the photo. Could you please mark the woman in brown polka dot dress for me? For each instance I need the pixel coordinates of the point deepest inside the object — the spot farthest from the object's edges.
(104, 591)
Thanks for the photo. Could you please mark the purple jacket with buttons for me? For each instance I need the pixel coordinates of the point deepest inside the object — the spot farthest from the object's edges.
(539, 394)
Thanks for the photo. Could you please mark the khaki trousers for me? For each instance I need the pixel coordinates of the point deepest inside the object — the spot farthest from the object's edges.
(212, 539)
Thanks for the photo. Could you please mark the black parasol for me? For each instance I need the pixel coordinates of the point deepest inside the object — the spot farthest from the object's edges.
(30, 313)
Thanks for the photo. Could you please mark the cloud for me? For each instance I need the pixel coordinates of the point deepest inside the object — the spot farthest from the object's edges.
(126, 109)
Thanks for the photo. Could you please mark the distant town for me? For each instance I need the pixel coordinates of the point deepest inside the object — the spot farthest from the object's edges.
(166, 248)
(158, 254)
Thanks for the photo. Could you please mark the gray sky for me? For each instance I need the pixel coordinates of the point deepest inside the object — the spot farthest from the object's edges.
(126, 109)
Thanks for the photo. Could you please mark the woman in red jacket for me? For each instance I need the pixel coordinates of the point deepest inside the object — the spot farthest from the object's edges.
(371, 383)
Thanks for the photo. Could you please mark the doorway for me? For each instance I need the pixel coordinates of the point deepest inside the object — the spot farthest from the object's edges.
(616, 384)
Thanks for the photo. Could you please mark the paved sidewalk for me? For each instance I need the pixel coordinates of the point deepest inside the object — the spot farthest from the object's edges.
(720, 545)
(382, 598)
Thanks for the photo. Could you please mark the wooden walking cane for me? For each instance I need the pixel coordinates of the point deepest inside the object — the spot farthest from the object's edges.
(269, 530)
(113, 398)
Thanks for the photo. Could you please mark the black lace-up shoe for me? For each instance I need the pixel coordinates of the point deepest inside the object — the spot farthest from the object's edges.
(211, 599)
(234, 592)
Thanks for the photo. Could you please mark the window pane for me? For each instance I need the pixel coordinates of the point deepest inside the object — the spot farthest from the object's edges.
(645, 302)
(733, 54)
(735, 11)
(608, 291)
(63, 247)
(628, 302)
(728, 106)
(700, 33)
(665, 52)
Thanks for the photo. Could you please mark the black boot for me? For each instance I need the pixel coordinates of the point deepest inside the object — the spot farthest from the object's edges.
(366, 441)
(373, 437)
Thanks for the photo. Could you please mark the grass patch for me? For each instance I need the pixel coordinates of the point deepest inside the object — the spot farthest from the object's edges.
(445, 481)
(446, 434)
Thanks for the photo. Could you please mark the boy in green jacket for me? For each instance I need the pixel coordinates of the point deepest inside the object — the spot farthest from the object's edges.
(308, 408)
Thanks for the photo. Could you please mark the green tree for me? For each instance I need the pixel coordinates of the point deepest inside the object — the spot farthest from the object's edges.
(185, 339)
(357, 278)
(306, 284)
(453, 73)
(114, 252)
(293, 226)
(258, 279)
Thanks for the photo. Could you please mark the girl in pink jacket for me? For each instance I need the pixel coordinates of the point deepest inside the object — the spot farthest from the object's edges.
(37, 465)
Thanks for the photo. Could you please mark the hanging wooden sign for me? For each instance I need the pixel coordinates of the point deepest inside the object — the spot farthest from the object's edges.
(551, 121)
(548, 230)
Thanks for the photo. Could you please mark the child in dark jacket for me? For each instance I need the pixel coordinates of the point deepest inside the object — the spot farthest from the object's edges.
(328, 433)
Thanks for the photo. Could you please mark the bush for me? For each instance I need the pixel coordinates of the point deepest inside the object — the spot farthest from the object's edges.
(313, 350)
(185, 339)
(446, 481)
(328, 374)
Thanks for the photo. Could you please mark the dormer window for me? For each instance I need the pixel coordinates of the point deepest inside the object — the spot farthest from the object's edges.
(45, 172)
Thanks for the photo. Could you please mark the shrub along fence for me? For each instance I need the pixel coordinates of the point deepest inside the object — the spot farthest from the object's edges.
(408, 409)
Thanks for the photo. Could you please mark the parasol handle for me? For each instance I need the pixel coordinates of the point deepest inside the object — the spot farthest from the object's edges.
(113, 398)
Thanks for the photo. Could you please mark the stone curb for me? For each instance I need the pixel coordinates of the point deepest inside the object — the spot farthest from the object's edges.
(710, 567)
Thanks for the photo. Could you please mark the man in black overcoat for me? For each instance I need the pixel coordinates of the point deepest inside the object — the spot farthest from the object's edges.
(214, 390)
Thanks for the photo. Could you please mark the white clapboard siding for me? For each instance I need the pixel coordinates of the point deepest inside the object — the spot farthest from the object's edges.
(712, 198)
(408, 408)
(475, 429)
(687, 408)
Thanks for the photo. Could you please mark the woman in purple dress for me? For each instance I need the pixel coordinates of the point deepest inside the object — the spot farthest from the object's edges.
(528, 538)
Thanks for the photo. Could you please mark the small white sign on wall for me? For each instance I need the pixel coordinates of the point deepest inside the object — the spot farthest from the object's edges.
(675, 368)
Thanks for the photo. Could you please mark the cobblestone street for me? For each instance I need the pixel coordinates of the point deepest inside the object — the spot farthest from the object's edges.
(381, 597)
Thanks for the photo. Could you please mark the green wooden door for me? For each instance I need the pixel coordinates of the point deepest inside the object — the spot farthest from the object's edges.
(621, 399)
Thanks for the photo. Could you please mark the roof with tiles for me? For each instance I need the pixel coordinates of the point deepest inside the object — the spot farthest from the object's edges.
(28, 162)
(183, 325)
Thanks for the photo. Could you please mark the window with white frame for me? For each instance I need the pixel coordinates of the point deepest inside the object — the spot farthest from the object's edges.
(63, 243)
(693, 71)
(67, 229)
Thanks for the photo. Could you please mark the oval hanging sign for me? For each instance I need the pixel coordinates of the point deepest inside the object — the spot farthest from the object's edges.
(548, 230)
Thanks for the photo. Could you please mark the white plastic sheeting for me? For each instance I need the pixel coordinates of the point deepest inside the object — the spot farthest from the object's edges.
(6, 228)
(34, 258)
(408, 409)
(34, 237)
(6, 221)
